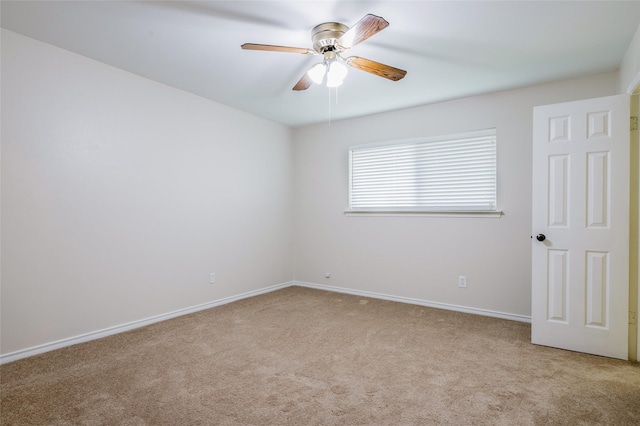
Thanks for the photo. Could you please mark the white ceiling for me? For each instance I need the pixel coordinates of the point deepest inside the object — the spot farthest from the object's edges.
(450, 49)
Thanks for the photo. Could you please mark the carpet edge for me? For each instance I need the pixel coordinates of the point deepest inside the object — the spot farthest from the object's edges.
(93, 335)
(414, 301)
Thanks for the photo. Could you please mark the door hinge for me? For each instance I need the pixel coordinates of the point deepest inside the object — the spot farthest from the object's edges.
(634, 123)
(632, 318)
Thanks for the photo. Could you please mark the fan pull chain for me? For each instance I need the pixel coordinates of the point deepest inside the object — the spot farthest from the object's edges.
(329, 106)
(332, 91)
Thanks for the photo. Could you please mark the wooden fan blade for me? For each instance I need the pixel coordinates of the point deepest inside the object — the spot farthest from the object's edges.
(303, 83)
(376, 68)
(362, 30)
(272, 48)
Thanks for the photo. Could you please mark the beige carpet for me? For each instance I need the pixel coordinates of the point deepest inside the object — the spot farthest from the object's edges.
(306, 357)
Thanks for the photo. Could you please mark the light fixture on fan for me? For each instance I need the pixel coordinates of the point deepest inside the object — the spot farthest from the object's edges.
(329, 40)
(333, 68)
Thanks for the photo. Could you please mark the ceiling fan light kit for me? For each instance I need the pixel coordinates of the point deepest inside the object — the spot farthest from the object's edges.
(317, 72)
(333, 67)
(329, 40)
(336, 73)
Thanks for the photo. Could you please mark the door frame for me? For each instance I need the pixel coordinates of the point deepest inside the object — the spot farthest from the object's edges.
(634, 231)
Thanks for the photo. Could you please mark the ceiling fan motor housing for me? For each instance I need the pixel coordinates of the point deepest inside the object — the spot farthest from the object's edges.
(326, 35)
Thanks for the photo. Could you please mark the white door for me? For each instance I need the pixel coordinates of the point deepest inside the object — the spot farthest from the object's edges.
(580, 270)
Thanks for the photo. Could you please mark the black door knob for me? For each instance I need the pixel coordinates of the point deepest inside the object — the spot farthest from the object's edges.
(540, 237)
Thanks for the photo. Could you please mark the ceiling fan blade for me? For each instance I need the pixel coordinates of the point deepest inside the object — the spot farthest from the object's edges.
(376, 68)
(272, 48)
(303, 83)
(362, 30)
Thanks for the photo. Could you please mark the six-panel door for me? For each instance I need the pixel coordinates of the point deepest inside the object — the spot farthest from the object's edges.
(580, 271)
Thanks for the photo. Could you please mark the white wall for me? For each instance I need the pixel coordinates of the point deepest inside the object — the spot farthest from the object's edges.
(120, 195)
(630, 66)
(422, 257)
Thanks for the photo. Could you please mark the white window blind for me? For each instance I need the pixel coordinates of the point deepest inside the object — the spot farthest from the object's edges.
(455, 173)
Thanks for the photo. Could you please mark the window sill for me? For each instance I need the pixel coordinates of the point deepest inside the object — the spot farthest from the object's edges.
(492, 214)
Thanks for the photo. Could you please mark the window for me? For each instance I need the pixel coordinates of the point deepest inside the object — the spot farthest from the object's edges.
(455, 173)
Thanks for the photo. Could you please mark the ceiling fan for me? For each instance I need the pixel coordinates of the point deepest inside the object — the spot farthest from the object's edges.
(330, 39)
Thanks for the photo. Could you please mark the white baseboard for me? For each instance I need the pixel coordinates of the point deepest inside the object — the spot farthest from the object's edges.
(36, 350)
(410, 300)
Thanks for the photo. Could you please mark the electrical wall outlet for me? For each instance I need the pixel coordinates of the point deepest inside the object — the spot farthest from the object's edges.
(462, 281)
(212, 278)
(327, 274)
